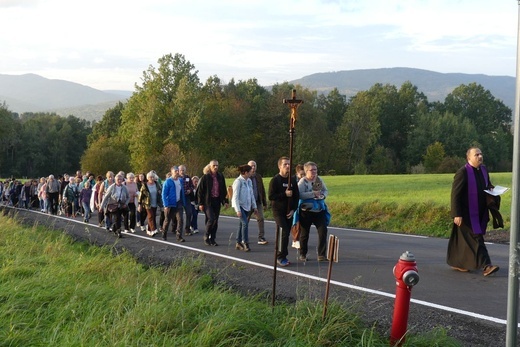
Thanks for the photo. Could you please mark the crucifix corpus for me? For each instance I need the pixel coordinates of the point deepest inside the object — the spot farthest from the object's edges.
(293, 105)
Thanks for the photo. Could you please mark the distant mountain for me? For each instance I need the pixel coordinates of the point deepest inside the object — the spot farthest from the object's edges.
(33, 93)
(436, 86)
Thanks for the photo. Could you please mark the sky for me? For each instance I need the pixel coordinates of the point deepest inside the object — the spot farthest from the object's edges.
(108, 44)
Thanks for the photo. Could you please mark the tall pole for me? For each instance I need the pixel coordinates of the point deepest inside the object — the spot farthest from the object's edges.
(512, 293)
(293, 105)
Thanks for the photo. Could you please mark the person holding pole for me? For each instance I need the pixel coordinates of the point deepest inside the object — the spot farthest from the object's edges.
(466, 248)
(284, 202)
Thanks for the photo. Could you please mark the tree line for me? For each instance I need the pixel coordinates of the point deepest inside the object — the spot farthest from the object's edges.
(38, 144)
(172, 118)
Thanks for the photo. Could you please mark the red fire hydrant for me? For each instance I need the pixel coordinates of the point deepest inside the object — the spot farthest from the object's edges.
(406, 276)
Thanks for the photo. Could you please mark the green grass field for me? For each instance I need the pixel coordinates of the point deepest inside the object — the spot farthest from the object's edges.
(414, 204)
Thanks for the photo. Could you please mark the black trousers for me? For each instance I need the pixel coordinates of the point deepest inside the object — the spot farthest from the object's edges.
(212, 212)
(118, 217)
(319, 219)
(284, 224)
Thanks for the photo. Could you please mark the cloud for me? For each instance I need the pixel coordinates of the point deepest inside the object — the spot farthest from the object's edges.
(268, 40)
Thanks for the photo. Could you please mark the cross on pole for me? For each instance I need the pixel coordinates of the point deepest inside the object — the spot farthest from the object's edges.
(293, 105)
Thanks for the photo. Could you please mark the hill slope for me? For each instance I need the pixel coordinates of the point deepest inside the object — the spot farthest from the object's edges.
(33, 93)
(434, 85)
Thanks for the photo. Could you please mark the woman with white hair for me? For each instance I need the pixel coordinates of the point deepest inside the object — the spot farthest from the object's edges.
(115, 202)
(150, 199)
(53, 192)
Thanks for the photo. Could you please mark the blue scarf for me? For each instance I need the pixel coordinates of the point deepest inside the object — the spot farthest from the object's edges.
(318, 204)
(479, 227)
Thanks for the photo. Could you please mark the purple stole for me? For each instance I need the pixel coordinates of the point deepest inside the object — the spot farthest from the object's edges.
(477, 226)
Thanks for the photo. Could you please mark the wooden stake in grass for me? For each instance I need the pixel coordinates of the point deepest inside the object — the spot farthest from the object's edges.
(332, 256)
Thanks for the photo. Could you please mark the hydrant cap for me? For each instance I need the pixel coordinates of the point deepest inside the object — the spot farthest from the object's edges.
(407, 256)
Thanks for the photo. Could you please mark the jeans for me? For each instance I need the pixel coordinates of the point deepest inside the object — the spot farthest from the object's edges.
(86, 208)
(243, 227)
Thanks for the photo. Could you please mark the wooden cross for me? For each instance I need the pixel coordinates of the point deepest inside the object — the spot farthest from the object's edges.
(293, 104)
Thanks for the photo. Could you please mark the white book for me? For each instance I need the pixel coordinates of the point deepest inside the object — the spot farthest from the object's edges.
(498, 190)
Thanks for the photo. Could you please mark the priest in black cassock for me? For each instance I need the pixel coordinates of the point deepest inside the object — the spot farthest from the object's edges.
(466, 248)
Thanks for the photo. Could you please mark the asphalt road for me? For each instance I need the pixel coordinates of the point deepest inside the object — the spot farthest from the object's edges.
(366, 261)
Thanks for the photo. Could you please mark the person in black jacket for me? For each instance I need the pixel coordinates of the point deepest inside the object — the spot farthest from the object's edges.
(284, 201)
(211, 194)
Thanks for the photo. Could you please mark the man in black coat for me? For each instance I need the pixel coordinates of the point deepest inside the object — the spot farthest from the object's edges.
(211, 194)
(466, 248)
(284, 202)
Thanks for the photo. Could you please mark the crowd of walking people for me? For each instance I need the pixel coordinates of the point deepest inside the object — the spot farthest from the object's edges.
(122, 202)
(126, 202)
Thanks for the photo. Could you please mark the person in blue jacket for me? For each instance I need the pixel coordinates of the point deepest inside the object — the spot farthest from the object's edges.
(173, 200)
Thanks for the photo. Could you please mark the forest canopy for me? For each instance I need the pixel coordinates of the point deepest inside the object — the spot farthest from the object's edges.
(173, 118)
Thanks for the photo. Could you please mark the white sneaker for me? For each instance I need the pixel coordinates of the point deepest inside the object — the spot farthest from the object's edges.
(196, 231)
(296, 244)
(126, 231)
(155, 232)
(132, 231)
(138, 224)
